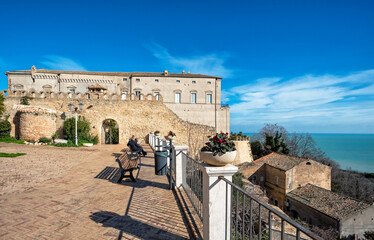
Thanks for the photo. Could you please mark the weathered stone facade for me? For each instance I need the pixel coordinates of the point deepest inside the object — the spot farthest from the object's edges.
(193, 97)
(137, 118)
(35, 122)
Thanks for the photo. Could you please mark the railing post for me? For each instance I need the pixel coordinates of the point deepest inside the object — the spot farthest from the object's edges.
(179, 173)
(217, 201)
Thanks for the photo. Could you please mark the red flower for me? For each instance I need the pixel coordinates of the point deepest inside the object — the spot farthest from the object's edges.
(220, 141)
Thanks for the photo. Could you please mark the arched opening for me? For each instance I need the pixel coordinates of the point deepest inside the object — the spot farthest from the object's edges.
(110, 132)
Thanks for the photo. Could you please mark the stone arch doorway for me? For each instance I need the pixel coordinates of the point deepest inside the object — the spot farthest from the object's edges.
(109, 132)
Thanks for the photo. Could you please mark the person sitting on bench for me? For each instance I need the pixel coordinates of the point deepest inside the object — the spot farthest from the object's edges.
(135, 147)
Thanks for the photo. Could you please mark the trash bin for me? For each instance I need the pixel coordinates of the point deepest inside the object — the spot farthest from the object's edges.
(161, 162)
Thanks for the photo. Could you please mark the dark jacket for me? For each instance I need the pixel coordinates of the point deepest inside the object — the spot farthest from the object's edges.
(134, 146)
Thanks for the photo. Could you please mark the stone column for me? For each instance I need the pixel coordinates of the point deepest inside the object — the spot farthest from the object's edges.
(217, 201)
(179, 173)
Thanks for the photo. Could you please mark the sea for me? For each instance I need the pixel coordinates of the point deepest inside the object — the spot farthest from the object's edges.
(351, 151)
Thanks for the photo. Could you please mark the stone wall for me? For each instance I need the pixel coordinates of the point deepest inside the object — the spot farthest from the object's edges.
(34, 125)
(308, 214)
(308, 172)
(137, 118)
(244, 152)
(275, 181)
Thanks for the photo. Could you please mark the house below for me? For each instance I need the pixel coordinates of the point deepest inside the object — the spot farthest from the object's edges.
(322, 207)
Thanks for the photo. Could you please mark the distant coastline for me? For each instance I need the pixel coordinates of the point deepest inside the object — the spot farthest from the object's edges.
(351, 151)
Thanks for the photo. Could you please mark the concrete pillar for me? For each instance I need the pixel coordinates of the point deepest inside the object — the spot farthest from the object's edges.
(217, 201)
(179, 173)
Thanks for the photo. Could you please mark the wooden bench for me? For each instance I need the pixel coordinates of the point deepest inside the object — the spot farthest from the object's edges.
(128, 163)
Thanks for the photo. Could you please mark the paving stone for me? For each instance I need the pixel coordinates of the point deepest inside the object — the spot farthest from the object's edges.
(74, 203)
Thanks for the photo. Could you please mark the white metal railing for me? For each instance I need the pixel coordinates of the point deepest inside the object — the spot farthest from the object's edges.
(226, 210)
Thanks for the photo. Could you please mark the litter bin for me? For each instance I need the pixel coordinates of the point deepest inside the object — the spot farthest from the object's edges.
(161, 162)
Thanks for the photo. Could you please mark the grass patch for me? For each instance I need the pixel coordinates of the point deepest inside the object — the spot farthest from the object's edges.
(11, 155)
(11, 140)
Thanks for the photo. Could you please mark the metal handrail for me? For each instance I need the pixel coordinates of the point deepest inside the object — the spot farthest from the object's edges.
(194, 193)
(283, 217)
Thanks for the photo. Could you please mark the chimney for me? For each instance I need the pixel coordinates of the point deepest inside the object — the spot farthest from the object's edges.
(166, 72)
(183, 72)
(33, 69)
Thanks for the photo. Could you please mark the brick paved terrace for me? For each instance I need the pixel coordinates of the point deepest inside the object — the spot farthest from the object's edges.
(68, 193)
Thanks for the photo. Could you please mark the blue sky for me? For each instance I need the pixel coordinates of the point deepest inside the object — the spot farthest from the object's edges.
(306, 65)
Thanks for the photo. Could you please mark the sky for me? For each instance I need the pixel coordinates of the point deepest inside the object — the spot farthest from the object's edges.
(306, 65)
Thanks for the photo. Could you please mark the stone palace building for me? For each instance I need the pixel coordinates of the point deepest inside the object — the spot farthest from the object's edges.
(194, 98)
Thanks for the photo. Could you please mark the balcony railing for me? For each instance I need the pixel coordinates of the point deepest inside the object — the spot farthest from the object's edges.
(251, 218)
(226, 210)
(193, 183)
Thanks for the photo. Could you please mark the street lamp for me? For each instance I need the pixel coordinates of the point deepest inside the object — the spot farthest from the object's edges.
(74, 109)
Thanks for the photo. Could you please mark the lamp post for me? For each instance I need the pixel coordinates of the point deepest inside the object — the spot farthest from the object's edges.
(74, 109)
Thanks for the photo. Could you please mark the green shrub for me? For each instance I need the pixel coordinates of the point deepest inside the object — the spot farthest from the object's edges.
(45, 140)
(5, 128)
(115, 134)
(95, 139)
(11, 140)
(83, 129)
(25, 100)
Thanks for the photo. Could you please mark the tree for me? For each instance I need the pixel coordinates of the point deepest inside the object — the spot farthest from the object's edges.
(83, 129)
(276, 143)
(2, 105)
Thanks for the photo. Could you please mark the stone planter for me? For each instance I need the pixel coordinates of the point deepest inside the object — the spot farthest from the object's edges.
(87, 144)
(218, 160)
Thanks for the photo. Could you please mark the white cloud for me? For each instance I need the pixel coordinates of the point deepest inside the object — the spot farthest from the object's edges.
(210, 64)
(306, 100)
(55, 62)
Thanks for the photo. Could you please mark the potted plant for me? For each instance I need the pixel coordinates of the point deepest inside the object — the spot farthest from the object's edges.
(170, 135)
(157, 133)
(219, 151)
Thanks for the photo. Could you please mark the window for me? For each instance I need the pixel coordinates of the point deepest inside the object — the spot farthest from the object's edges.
(177, 97)
(261, 178)
(209, 98)
(156, 80)
(276, 180)
(138, 79)
(157, 95)
(178, 81)
(124, 93)
(137, 93)
(124, 79)
(18, 87)
(193, 82)
(209, 82)
(276, 203)
(254, 178)
(71, 91)
(193, 97)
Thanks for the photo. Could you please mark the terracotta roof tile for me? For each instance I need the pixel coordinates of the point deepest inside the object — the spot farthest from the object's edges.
(327, 202)
(281, 161)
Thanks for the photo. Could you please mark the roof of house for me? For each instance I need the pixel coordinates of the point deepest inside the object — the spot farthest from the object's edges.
(124, 74)
(281, 161)
(327, 202)
(96, 86)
